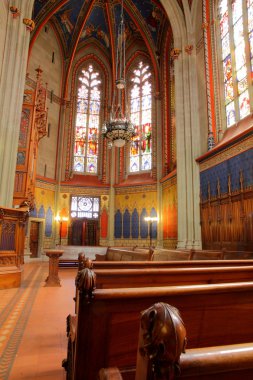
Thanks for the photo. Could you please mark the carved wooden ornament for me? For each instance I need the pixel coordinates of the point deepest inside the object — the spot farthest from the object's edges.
(164, 338)
(86, 282)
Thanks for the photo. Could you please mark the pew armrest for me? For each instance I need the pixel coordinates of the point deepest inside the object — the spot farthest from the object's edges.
(218, 359)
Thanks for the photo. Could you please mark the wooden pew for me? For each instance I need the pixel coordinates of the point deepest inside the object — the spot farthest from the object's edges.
(143, 254)
(108, 320)
(120, 278)
(231, 362)
(162, 350)
(119, 254)
(168, 264)
(133, 278)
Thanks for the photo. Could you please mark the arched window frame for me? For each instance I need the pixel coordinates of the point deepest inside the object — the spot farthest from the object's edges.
(130, 73)
(96, 69)
(248, 63)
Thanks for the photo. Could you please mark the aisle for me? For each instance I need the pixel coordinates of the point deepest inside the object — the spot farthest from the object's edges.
(33, 325)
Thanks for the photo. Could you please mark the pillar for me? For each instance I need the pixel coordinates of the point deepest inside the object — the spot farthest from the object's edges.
(12, 83)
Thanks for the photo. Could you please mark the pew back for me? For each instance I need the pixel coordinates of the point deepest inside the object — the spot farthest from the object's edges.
(108, 324)
(120, 278)
(168, 264)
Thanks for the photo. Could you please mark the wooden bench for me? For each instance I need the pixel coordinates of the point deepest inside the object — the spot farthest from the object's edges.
(119, 254)
(162, 327)
(85, 262)
(121, 278)
(108, 321)
(230, 362)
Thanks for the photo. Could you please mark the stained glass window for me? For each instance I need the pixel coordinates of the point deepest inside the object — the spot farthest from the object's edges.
(141, 116)
(84, 207)
(236, 31)
(87, 122)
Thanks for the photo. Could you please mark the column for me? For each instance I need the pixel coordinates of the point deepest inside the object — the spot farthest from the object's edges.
(12, 84)
(188, 149)
(159, 241)
(111, 198)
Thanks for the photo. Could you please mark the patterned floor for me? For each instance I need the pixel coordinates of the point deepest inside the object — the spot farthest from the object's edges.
(29, 318)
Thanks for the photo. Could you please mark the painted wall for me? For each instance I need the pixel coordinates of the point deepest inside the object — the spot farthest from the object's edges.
(233, 168)
(169, 213)
(131, 207)
(227, 198)
(45, 210)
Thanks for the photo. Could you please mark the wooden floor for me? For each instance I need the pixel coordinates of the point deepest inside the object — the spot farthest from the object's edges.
(33, 325)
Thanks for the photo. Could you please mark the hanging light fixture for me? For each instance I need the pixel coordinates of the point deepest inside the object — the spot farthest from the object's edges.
(119, 129)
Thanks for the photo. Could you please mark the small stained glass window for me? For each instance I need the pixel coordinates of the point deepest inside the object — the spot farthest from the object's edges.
(85, 207)
(87, 122)
(141, 117)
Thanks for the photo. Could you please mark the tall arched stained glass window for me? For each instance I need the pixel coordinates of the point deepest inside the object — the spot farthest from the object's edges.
(87, 122)
(236, 30)
(141, 113)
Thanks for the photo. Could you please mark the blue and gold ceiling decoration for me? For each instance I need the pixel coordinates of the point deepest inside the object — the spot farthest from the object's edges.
(142, 18)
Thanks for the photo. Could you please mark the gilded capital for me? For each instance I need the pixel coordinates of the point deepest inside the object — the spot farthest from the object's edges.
(14, 11)
(175, 53)
(30, 25)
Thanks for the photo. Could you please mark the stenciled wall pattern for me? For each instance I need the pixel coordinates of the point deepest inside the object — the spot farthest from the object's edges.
(216, 178)
(227, 200)
(45, 208)
(130, 211)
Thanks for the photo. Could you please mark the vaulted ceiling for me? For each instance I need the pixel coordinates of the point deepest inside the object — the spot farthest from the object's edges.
(77, 21)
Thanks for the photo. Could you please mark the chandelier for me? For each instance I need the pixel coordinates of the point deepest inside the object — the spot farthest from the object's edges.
(119, 129)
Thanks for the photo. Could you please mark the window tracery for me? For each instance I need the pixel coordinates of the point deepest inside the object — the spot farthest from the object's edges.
(87, 122)
(141, 117)
(84, 207)
(236, 32)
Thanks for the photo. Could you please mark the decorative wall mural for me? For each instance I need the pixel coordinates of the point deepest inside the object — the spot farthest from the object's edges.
(216, 178)
(44, 209)
(131, 211)
(49, 223)
(104, 224)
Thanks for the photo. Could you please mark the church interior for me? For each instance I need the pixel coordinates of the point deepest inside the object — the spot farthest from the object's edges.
(126, 140)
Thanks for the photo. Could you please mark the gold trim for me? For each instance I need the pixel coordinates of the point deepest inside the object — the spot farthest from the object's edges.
(230, 152)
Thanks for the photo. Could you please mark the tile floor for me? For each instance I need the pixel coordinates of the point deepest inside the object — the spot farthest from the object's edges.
(33, 325)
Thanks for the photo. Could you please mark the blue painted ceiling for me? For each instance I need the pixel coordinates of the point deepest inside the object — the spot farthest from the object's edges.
(76, 22)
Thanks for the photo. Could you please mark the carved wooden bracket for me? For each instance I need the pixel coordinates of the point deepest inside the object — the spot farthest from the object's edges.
(86, 282)
(84, 262)
(164, 339)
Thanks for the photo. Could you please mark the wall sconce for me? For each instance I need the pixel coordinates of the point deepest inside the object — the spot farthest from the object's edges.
(150, 220)
(61, 219)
